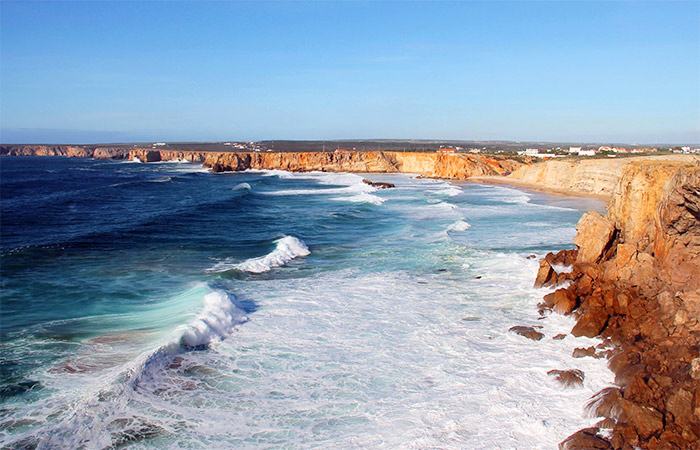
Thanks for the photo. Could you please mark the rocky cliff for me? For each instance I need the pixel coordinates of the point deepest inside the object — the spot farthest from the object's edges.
(437, 165)
(636, 283)
(587, 176)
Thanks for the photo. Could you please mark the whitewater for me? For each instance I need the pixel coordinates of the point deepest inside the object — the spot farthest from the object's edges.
(175, 308)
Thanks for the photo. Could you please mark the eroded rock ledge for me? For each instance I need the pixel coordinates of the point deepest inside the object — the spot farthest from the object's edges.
(636, 284)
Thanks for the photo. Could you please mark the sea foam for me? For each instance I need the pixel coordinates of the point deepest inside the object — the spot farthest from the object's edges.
(460, 225)
(286, 249)
(220, 314)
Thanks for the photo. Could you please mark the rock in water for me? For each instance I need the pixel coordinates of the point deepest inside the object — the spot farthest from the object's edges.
(545, 274)
(585, 439)
(378, 184)
(528, 332)
(569, 378)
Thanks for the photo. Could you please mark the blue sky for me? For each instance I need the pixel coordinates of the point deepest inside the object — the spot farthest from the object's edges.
(93, 71)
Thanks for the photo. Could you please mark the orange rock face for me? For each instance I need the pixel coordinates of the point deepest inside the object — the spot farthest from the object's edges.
(637, 284)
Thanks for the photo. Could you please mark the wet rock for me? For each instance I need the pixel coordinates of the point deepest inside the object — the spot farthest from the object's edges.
(580, 352)
(528, 332)
(586, 439)
(569, 378)
(564, 301)
(591, 323)
(559, 337)
(378, 184)
(531, 257)
(545, 274)
(606, 403)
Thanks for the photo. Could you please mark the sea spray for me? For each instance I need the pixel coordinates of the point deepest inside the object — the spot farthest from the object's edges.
(286, 249)
(220, 314)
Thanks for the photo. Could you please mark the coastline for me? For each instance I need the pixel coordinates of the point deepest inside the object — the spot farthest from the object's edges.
(507, 181)
(634, 281)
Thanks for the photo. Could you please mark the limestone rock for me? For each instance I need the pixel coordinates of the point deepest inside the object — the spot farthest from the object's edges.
(378, 184)
(569, 378)
(564, 301)
(595, 234)
(586, 439)
(591, 323)
(645, 420)
(528, 332)
(545, 274)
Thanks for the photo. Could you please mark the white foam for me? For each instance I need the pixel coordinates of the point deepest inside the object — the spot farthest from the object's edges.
(354, 190)
(218, 317)
(450, 191)
(460, 225)
(362, 197)
(287, 249)
(562, 268)
(271, 173)
(242, 186)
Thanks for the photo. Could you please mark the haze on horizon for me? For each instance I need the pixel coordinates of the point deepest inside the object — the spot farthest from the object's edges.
(94, 72)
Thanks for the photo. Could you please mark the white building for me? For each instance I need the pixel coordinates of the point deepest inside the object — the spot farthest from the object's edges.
(575, 150)
(586, 152)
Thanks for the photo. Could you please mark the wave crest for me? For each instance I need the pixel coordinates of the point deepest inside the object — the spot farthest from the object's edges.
(286, 249)
(220, 314)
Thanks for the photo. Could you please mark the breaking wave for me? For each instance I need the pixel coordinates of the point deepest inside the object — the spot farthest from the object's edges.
(286, 249)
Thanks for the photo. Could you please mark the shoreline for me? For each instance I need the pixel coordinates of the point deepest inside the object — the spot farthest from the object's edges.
(563, 192)
(635, 281)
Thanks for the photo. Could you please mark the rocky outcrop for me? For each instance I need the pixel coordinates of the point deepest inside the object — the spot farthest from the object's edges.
(588, 176)
(636, 284)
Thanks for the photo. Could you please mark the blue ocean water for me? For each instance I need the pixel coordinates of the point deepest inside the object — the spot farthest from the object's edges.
(163, 306)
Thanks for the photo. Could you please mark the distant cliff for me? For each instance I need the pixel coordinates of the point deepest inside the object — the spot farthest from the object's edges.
(437, 165)
(636, 283)
(587, 176)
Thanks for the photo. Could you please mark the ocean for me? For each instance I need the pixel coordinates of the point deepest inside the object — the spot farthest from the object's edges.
(162, 306)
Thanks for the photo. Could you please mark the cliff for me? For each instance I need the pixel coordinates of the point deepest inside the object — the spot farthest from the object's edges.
(586, 176)
(451, 166)
(636, 283)
(436, 165)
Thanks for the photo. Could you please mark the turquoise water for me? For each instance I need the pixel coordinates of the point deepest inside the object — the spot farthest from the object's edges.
(162, 306)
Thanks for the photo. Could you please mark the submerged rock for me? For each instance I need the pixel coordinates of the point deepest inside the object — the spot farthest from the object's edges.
(569, 378)
(528, 332)
(378, 184)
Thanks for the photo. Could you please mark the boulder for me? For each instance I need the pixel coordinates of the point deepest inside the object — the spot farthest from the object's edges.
(645, 420)
(569, 378)
(528, 332)
(564, 301)
(595, 234)
(586, 439)
(545, 274)
(378, 184)
(591, 323)
(581, 352)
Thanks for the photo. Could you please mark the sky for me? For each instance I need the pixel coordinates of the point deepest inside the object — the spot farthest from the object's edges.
(567, 71)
